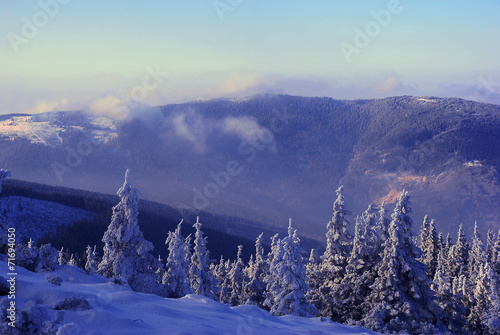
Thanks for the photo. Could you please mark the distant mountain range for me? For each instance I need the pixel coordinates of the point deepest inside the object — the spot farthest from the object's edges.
(271, 157)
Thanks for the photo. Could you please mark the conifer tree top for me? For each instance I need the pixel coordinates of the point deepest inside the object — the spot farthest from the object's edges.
(337, 236)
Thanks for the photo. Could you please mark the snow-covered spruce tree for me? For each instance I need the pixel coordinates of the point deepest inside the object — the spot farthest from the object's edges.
(312, 263)
(176, 276)
(61, 260)
(47, 257)
(202, 279)
(290, 297)
(424, 233)
(484, 317)
(334, 260)
(36, 259)
(448, 256)
(91, 264)
(361, 269)
(495, 258)
(221, 271)
(249, 266)
(450, 304)
(72, 261)
(315, 279)
(382, 229)
(27, 256)
(459, 259)
(337, 237)
(429, 244)
(477, 257)
(255, 290)
(237, 280)
(464, 291)
(401, 297)
(490, 243)
(272, 279)
(160, 270)
(126, 252)
(490, 318)
(440, 242)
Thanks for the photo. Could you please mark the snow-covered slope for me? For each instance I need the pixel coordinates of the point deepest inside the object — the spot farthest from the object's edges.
(47, 129)
(32, 217)
(115, 309)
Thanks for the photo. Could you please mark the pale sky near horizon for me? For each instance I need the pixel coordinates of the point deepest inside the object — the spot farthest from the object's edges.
(83, 51)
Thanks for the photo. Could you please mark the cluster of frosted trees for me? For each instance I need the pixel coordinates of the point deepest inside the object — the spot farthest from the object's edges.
(277, 281)
(381, 280)
(383, 277)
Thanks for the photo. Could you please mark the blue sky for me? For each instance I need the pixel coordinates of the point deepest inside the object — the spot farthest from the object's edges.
(92, 50)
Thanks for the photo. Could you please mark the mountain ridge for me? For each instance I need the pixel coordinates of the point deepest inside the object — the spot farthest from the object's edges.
(445, 151)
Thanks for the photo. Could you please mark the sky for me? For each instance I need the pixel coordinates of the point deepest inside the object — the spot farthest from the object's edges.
(74, 54)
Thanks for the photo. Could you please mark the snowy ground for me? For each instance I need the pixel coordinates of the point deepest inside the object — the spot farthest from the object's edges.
(115, 309)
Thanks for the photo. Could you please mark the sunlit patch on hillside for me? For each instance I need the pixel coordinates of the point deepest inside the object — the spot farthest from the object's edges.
(474, 163)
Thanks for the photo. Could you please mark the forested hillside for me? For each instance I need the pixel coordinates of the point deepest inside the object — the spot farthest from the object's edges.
(286, 154)
(225, 232)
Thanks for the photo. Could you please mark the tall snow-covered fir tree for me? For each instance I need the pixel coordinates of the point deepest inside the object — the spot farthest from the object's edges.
(315, 278)
(424, 232)
(61, 260)
(495, 258)
(91, 264)
(203, 281)
(312, 263)
(429, 244)
(290, 296)
(448, 256)
(237, 280)
(459, 254)
(272, 279)
(126, 252)
(477, 257)
(452, 310)
(221, 270)
(463, 290)
(255, 290)
(72, 261)
(176, 276)
(47, 257)
(334, 260)
(490, 243)
(338, 238)
(382, 228)
(484, 317)
(401, 297)
(490, 319)
(361, 269)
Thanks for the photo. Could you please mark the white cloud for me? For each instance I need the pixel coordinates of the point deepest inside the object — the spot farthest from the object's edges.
(387, 86)
(109, 106)
(193, 128)
(43, 106)
(246, 128)
(249, 130)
